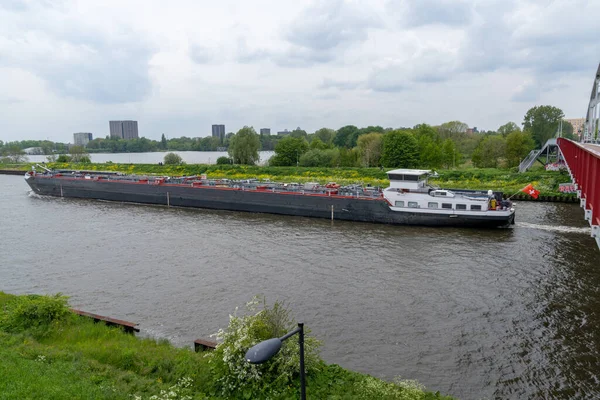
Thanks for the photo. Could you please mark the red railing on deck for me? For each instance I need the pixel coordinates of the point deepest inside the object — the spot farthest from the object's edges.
(584, 164)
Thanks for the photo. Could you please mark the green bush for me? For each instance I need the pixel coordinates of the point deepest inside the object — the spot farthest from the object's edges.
(275, 378)
(33, 311)
(223, 160)
(63, 158)
(173, 159)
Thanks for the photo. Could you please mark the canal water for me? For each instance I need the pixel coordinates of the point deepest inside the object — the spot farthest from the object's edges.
(506, 313)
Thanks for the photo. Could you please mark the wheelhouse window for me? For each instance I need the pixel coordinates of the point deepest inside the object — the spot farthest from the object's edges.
(432, 204)
(413, 204)
(475, 207)
(461, 206)
(400, 204)
(401, 177)
(447, 206)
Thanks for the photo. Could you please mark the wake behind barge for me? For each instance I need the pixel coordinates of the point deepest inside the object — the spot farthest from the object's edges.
(408, 201)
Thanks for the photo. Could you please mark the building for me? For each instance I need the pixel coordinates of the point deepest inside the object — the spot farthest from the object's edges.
(123, 129)
(265, 131)
(218, 131)
(284, 132)
(82, 138)
(578, 124)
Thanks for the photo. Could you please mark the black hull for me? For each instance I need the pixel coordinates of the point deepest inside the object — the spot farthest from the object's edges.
(316, 206)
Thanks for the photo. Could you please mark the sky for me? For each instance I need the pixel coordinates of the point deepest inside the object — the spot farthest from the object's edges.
(178, 67)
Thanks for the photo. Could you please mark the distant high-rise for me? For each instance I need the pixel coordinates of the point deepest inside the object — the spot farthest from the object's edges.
(123, 129)
(82, 138)
(265, 131)
(284, 132)
(219, 132)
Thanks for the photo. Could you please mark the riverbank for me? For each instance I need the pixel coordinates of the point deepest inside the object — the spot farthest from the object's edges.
(505, 180)
(49, 352)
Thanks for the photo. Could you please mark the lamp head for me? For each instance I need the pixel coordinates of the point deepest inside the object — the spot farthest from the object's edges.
(263, 351)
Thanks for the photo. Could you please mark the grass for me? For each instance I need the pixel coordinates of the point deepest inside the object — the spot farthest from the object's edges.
(506, 180)
(75, 358)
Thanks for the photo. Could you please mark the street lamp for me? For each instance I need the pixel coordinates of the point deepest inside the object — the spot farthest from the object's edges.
(263, 352)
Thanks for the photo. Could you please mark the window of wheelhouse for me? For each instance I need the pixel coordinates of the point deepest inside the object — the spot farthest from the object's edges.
(401, 177)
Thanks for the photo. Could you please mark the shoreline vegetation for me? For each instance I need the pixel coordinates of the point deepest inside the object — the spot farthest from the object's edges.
(49, 352)
(506, 180)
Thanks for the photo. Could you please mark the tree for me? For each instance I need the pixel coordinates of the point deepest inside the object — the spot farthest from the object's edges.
(542, 122)
(224, 160)
(288, 151)
(163, 142)
(400, 150)
(320, 158)
(518, 145)
(507, 128)
(316, 143)
(488, 152)
(567, 130)
(14, 154)
(344, 135)
(79, 154)
(450, 155)
(298, 133)
(369, 148)
(453, 129)
(172, 159)
(244, 146)
(325, 134)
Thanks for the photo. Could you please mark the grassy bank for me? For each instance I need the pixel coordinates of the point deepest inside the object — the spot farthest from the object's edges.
(506, 180)
(49, 353)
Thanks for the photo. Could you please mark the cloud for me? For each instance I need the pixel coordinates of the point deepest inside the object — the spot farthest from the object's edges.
(329, 83)
(428, 65)
(200, 54)
(317, 35)
(81, 62)
(455, 13)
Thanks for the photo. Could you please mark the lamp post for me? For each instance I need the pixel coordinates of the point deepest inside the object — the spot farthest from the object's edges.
(263, 352)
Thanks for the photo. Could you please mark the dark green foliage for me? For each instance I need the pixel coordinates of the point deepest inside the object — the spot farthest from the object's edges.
(63, 158)
(489, 151)
(518, 145)
(542, 122)
(172, 159)
(320, 158)
(244, 146)
(288, 151)
(33, 311)
(223, 160)
(400, 150)
(345, 136)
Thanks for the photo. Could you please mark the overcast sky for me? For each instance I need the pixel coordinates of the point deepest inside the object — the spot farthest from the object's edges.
(179, 66)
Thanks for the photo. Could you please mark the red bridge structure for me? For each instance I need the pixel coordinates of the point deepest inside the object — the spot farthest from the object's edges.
(583, 163)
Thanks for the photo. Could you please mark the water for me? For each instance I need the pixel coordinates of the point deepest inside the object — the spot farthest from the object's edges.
(477, 314)
(190, 157)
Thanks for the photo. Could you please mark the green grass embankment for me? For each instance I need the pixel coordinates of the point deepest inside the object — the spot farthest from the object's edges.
(508, 181)
(46, 352)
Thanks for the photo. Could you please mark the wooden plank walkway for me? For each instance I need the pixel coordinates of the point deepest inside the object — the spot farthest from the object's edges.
(202, 344)
(129, 327)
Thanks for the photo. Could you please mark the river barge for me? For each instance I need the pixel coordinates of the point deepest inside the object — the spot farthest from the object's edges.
(409, 200)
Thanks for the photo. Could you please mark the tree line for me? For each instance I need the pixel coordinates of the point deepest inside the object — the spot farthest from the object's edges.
(444, 146)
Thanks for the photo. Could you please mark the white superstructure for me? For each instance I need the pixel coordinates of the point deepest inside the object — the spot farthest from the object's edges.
(409, 192)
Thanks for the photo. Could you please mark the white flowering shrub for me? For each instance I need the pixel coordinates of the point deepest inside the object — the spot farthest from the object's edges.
(182, 390)
(236, 377)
